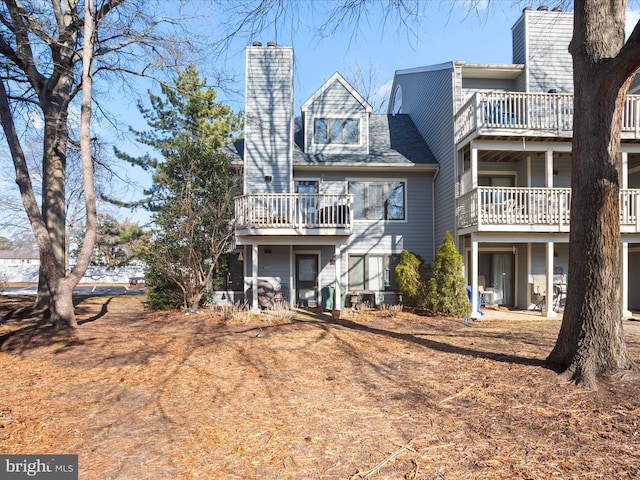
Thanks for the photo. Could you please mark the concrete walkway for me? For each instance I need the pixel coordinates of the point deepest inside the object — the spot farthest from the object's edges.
(491, 313)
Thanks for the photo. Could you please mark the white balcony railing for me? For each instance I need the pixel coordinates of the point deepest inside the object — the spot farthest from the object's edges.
(293, 211)
(541, 209)
(538, 113)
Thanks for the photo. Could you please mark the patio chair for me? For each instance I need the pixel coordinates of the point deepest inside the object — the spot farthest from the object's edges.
(539, 292)
(486, 294)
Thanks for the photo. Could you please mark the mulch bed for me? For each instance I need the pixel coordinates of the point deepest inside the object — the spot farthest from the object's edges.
(147, 395)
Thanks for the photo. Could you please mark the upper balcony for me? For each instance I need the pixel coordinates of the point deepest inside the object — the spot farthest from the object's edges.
(294, 214)
(539, 210)
(530, 114)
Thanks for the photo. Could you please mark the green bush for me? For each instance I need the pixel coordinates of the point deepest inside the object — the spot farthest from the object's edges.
(162, 292)
(411, 275)
(446, 290)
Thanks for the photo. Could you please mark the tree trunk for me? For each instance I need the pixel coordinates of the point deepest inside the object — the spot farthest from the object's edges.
(62, 310)
(54, 164)
(591, 339)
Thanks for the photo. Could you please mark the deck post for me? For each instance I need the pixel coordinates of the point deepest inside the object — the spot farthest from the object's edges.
(624, 286)
(254, 278)
(475, 314)
(550, 312)
(337, 296)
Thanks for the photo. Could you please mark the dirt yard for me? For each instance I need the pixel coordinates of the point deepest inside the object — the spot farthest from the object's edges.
(142, 395)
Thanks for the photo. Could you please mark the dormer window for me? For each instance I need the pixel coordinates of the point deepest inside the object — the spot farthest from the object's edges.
(345, 131)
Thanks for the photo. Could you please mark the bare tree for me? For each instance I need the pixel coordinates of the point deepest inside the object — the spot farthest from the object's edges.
(43, 47)
(367, 82)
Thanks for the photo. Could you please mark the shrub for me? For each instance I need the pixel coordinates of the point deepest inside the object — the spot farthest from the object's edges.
(162, 292)
(446, 290)
(411, 277)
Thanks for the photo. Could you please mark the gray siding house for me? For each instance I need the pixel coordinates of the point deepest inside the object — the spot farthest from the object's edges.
(501, 135)
(330, 198)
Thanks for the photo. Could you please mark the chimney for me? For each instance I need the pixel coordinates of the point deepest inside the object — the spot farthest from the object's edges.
(543, 8)
(557, 9)
(256, 44)
(268, 130)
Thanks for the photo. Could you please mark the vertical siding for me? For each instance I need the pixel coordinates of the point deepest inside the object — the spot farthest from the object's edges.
(268, 129)
(562, 172)
(518, 44)
(549, 64)
(522, 276)
(274, 266)
(428, 97)
(336, 102)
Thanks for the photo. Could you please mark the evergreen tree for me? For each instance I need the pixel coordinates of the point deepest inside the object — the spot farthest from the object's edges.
(411, 277)
(446, 290)
(193, 189)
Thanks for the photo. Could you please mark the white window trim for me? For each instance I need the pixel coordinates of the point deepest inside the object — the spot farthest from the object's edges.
(361, 126)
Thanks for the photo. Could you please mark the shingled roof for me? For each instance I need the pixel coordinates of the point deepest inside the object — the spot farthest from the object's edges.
(393, 140)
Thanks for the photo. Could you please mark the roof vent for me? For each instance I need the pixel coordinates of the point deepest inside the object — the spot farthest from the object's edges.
(526, 9)
(557, 9)
(256, 44)
(271, 44)
(543, 8)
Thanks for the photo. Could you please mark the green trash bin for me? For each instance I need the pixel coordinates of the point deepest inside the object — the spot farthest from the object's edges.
(327, 293)
(327, 298)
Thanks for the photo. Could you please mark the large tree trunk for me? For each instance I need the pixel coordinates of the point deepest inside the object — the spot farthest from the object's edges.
(591, 339)
(54, 164)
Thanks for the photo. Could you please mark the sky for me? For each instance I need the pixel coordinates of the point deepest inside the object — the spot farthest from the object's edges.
(476, 31)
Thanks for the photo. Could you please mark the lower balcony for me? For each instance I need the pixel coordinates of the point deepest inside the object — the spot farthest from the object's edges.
(521, 209)
(293, 214)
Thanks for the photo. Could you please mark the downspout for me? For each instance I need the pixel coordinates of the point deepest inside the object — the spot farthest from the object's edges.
(433, 213)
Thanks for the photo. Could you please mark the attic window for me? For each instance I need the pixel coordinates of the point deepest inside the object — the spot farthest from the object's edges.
(337, 131)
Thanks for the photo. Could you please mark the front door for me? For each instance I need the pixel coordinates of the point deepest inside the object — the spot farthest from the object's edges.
(307, 280)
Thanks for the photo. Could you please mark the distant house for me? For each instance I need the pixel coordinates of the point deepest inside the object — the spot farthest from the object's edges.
(11, 257)
(24, 267)
(19, 266)
(331, 198)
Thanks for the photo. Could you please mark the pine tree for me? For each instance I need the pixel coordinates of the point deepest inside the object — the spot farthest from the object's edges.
(411, 278)
(193, 189)
(446, 290)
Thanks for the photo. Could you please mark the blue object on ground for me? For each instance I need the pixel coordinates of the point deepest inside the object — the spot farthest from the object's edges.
(479, 299)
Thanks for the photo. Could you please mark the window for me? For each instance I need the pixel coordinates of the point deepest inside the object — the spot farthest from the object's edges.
(337, 130)
(372, 272)
(378, 200)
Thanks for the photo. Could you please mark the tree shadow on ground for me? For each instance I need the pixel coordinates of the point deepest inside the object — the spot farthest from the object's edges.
(41, 333)
(427, 342)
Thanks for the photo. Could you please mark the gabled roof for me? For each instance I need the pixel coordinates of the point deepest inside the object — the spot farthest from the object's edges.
(336, 77)
(394, 141)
